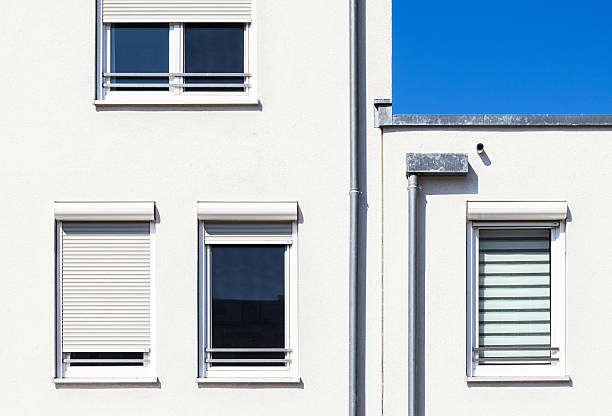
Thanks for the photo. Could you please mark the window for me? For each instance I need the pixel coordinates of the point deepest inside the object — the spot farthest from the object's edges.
(248, 292)
(516, 282)
(104, 286)
(175, 52)
(138, 48)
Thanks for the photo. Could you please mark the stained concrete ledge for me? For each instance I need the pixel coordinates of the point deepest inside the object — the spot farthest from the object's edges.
(437, 164)
(384, 117)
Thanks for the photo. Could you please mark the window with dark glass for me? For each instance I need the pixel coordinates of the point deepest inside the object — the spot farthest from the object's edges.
(205, 58)
(247, 284)
(248, 291)
(136, 51)
(214, 51)
(196, 53)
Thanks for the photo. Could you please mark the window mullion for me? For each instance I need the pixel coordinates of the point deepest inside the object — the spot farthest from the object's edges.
(208, 303)
(106, 67)
(557, 292)
(475, 294)
(176, 56)
(287, 299)
(247, 62)
(59, 356)
(100, 51)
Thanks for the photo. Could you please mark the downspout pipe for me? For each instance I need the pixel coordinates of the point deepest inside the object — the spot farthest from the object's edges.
(355, 194)
(413, 185)
(422, 164)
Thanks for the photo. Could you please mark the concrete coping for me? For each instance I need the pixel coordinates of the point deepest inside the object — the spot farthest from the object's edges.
(384, 117)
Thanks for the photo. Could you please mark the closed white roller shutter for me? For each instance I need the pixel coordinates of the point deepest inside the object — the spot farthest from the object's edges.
(179, 11)
(105, 286)
(247, 232)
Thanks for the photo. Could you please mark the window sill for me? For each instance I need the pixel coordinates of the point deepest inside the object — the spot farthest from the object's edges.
(526, 379)
(249, 380)
(182, 101)
(107, 380)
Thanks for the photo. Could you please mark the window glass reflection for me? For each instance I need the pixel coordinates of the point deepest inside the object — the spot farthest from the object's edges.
(214, 48)
(248, 299)
(139, 48)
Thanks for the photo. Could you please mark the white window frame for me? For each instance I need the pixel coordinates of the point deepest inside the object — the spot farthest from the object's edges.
(175, 95)
(98, 212)
(554, 370)
(269, 374)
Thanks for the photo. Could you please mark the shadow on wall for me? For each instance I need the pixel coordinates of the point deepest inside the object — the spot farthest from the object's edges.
(485, 158)
(467, 185)
(108, 386)
(449, 185)
(253, 386)
(180, 108)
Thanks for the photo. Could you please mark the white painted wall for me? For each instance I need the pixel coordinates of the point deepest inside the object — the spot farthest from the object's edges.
(57, 146)
(534, 164)
(377, 76)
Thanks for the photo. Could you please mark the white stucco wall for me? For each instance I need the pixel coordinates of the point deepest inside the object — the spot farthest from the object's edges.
(521, 164)
(57, 146)
(377, 77)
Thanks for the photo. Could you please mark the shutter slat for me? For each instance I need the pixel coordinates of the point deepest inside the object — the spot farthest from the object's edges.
(105, 286)
(511, 316)
(238, 232)
(514, 280)
(514, 291)
(179, 11)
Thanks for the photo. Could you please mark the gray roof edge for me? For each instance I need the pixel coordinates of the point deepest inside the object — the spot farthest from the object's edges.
(560, 120)
(384, 117)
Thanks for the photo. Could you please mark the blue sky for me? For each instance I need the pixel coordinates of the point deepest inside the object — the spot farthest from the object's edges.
(473, 56)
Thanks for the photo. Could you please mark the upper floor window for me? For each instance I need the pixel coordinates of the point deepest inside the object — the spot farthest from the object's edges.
(516, 287)
(176, 52)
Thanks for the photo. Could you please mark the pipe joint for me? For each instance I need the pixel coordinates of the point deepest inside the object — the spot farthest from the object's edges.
(413, 182)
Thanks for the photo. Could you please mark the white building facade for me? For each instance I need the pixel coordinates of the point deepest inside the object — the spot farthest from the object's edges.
(508, 263)
(176, 224)
(113, 193)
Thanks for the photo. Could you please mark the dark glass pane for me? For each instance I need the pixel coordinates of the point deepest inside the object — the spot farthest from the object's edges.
(248, 299)
(106, 356)
(214, 48)
(139, 48)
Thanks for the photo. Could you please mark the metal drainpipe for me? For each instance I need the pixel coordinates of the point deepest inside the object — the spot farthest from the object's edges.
(423, 164)
(413, 185)
(354, 193)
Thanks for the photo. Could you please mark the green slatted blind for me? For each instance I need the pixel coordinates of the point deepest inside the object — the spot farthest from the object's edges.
(514, 294)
